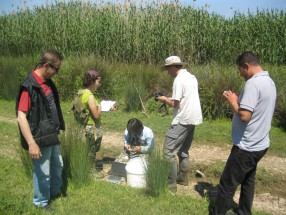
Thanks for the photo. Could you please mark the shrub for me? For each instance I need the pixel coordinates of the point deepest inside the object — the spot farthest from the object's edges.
(75, 152)
(157, 173)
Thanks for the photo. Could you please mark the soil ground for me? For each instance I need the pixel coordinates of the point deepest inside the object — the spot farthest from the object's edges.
(201, 187)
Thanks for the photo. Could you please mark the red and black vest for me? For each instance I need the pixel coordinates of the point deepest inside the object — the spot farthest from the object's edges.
(45, 122)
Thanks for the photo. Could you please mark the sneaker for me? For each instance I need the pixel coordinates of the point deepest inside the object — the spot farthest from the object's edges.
(47, 208)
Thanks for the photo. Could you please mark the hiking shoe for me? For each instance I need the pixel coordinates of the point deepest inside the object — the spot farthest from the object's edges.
(183, 181)
(98, 175)
(172, 188)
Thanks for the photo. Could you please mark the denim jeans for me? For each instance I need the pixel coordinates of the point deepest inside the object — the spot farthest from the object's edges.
(178, 141)
(47, 176)
(240, 169)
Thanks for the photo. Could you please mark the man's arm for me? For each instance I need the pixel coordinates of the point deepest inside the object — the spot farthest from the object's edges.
(169, 101)
(149, 141)
(34, 149)
(244, 115)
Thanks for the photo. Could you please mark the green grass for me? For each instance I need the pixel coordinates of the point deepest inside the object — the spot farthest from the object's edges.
(7, 109)
(210, 132)
(15, 189)
(277, 144)
(99, 197)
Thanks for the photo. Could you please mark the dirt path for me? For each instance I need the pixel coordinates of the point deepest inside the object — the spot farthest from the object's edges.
(8, 119)
(207, 155)
(210, 154)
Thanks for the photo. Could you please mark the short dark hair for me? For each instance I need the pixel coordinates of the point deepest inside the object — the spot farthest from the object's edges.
(134, 128)
(50, 56)
(247, 57)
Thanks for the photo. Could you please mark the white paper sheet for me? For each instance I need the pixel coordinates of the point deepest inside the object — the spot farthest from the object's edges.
(106, 105)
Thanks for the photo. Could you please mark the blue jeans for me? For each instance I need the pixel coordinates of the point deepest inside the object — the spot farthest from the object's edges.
(240, 169)
(47, 176)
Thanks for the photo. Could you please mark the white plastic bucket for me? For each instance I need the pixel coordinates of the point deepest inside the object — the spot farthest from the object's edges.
(136, 172)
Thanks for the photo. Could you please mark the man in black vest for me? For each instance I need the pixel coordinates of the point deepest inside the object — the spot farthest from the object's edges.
(40, 119)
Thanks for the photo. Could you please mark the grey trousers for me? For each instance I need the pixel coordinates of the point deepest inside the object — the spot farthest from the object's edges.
(178, 141)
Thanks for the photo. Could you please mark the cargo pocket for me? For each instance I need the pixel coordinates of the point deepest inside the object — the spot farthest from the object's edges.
(171, 140)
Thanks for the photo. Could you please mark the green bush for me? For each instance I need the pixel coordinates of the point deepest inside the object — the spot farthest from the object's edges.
(157, 173)
(213, 80)
(128, 83)
(75, 153)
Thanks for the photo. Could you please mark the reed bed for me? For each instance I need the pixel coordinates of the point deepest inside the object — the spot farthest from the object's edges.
(142, 32)
(128, 41)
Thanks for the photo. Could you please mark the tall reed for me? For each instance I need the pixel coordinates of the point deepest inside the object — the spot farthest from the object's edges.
(157, 172)
(75, 152)
(145, 32)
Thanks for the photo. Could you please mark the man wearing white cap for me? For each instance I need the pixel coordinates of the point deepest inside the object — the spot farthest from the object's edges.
(187, 113)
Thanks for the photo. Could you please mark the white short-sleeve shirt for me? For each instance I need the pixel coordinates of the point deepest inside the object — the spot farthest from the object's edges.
(185, 90)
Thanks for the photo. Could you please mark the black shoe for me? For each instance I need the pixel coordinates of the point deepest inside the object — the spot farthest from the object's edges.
(65, 196)
(60, 195)
(54, 197)
(231, 213)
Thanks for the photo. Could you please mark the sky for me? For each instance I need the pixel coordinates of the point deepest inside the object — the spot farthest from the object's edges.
(225, 8)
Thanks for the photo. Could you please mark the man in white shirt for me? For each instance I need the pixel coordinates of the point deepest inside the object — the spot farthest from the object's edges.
(187, 113)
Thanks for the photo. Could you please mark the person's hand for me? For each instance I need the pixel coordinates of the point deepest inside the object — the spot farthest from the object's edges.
(162, 99)
(128, 147)
(113, 108)
(230, 96)
(34, 151)
(137, 149)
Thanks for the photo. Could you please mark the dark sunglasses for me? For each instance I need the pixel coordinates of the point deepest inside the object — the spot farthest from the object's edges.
(55, 68)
